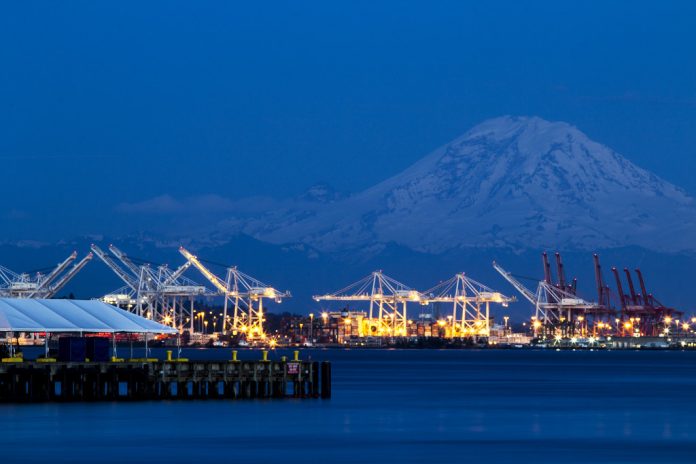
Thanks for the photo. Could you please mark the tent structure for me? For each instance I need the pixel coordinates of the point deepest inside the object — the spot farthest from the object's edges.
(72, 316)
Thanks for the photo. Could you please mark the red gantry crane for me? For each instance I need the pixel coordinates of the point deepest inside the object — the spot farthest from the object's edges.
(641, 313)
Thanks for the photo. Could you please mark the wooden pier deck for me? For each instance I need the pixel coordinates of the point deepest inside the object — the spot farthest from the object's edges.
(33, 381)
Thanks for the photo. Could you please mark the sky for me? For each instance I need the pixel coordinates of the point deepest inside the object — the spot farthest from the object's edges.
(109, 103)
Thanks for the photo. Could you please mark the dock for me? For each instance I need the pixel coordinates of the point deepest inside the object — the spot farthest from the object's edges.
(151, 379)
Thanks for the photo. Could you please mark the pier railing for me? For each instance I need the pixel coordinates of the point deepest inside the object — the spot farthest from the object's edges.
(34, 381)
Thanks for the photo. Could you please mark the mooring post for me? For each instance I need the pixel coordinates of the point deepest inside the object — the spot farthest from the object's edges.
(326, 380)
(315, 379)
(182, 390)
(129, 382)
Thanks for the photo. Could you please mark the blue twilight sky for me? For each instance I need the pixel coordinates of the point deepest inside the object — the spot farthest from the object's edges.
(110, 102)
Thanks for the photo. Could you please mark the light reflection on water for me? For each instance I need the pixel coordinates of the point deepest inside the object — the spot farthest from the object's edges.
(398, 405)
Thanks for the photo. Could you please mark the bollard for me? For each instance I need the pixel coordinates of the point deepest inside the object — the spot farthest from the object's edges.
(169, 355)
(297, 355)
(264, 353)
(234, 356)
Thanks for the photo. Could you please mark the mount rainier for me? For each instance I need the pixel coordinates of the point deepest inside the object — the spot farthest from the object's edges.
(509, 182)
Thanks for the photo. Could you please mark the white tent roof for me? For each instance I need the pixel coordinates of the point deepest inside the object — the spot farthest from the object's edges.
(36, 315)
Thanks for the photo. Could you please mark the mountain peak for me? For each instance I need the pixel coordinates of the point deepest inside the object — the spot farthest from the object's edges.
(518, 182)
(502, 124)
(531, 133)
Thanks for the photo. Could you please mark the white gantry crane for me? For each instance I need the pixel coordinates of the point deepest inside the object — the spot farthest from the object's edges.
(244, 294)
(159, 293)
(14, 285)
(557, 311)
(470, 305)
(388, 299)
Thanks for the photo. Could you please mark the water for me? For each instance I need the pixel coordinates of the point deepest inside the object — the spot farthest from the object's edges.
(398, 406)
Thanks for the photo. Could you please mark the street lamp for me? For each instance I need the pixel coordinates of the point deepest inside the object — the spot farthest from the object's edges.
(311, 327)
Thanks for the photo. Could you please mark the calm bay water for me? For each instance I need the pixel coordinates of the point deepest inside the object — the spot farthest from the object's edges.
(397, 406)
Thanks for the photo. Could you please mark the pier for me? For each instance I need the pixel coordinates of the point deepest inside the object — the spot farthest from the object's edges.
(151, 379)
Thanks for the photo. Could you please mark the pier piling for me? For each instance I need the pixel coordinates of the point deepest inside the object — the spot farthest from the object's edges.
(33, 381)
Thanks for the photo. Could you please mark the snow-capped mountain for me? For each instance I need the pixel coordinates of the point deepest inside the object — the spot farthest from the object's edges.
(519, 182)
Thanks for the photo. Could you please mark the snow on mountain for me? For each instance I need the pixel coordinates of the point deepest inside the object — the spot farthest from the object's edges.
(322, 193)
(519, 182)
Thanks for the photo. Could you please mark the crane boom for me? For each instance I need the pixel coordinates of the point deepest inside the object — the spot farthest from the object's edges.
(124, 259)
(177, 273)
(45, 282)
(123, 275)
(515, 283)
(215, 280)
(619, 288)
(646, 296)
(248, 316)
(60, 283)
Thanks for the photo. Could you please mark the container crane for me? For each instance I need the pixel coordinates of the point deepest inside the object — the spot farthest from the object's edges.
(557, 311)
(159, 294)
(125, 276)
(63, 280)
(43, 283)
(168, 289)
(470, 304)
(135, 270)
(641, 313)
(14, 285)
(246, 295)
(388, 301)
(603, 314)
